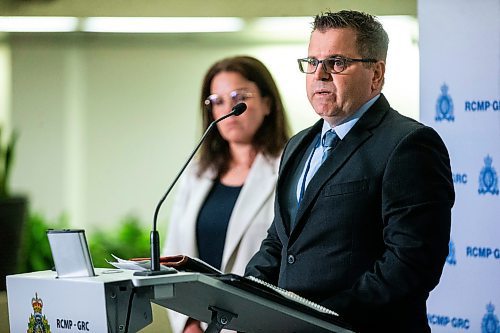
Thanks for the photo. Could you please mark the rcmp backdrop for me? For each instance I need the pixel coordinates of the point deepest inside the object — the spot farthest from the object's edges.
(460, 98)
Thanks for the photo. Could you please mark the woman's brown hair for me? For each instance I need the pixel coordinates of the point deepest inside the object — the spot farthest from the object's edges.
(272, 135)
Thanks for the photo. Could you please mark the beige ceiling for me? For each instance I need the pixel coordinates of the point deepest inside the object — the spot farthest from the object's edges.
(241, 8)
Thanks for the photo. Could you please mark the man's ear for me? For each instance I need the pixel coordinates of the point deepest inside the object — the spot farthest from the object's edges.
(378, 75)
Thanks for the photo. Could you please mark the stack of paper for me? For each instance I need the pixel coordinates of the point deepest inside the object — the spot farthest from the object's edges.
(135, 265)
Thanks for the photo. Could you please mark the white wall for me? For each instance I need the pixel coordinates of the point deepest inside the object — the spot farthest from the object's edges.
(107, 120)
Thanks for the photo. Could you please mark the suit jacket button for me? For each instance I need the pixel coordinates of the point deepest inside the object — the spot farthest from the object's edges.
(291, 259)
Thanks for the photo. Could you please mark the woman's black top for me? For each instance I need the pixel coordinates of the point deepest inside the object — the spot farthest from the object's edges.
(213, 219)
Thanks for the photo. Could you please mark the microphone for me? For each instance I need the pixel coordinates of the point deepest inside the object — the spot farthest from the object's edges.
(237, 110)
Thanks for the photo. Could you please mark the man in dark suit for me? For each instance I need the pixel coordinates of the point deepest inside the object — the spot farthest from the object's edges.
(362, 221)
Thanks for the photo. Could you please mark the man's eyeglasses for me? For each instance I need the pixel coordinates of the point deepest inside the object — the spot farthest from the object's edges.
(235, 97)
(333, 65)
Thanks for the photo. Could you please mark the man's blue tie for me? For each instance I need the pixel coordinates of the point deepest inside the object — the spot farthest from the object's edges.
(329, 141)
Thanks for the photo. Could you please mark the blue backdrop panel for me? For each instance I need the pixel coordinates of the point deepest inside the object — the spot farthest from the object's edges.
(460, 98)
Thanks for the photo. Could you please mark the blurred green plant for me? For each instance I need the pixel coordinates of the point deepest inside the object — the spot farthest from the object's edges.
(129, 240)
(35, 248)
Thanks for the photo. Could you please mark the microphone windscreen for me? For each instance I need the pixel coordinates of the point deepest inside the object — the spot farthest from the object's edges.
(239, 109)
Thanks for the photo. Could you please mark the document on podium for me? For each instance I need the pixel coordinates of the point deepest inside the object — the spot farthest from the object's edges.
(241, 304)
(179, 262)
(280, 295)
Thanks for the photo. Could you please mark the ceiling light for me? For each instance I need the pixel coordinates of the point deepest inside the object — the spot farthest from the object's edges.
(38, 23)
(161, 24)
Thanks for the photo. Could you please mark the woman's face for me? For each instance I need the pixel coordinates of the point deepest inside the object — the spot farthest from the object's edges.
(228, 89)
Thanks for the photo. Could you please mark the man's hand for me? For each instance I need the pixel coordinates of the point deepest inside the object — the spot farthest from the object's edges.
(192, 326)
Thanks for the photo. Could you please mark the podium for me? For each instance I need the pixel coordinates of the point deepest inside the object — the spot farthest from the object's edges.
(107, 302)
(118, 301)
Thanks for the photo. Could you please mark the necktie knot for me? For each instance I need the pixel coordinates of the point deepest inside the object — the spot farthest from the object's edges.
(330, 139)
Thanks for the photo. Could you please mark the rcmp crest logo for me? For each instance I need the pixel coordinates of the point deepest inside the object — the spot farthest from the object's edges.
(488, 179)
(38, 323)
(490, 322)
(444, 105)
(451, 259)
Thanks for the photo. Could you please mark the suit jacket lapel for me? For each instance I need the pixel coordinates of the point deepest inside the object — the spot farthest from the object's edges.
(291, 158)
(298, 145)
(259, 185)
(356, 137)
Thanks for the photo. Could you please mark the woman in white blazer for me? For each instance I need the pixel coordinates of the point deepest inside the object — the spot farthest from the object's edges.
(224, 204)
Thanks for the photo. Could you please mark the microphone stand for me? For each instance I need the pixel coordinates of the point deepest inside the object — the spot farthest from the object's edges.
(154, 236)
